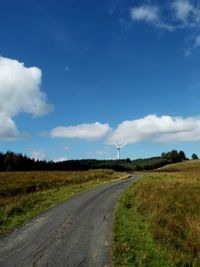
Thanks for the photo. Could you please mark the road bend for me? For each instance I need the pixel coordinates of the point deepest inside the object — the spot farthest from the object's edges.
(77, 232)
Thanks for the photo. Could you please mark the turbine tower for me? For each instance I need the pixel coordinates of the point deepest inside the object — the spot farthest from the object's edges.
(119, 150)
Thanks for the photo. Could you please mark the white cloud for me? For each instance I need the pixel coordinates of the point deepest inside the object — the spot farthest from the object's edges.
(21, 86)
(165, 129)
(83, 131)
(8, 129)
(38, 154)
(183, 9)
(20, 92)
(193, 44)
(150, 14)
(175, 15)
(145, 13)
(60, 159)
(184, 14)
(157, 129)
(187, 12)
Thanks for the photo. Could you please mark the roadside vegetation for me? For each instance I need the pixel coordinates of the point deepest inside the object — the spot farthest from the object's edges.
(157, 219)
(24, 195)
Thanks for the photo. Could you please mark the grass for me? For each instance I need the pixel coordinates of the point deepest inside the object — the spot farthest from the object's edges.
(157, 219)
(23, 195)
(182, 166)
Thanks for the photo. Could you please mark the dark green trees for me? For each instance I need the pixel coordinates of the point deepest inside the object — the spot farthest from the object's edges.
(194, 156)
(174, 156)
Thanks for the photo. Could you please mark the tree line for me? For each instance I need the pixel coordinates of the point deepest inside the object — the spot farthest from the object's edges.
(11, 161)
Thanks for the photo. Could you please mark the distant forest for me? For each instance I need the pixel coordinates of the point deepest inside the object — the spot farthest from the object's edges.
(11, 161)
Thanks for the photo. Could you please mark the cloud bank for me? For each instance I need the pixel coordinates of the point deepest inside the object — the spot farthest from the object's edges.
(19, 92)
(163, 129)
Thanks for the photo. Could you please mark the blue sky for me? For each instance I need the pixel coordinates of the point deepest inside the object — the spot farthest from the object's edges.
(78, 76)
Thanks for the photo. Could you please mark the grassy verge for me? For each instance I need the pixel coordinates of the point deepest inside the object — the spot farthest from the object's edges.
(24, 195)
(157, 219)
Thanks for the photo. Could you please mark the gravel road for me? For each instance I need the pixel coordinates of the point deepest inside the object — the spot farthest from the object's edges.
(75, 233)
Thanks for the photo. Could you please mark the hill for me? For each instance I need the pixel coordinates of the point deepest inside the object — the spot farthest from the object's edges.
(182, 166)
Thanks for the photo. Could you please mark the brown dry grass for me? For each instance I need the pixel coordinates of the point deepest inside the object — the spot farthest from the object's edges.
(23, 195)
(168, 200)
(171, 203)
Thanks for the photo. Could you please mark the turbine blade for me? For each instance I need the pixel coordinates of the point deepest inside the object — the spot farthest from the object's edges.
(123, 145)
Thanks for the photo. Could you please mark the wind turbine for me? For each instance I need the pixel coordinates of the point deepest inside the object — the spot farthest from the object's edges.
(119, 150)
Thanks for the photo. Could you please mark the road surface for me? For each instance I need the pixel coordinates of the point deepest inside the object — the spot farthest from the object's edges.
(75, 233)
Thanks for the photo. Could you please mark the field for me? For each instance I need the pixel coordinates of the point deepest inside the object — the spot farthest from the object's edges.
(157, 219)
(24, 195)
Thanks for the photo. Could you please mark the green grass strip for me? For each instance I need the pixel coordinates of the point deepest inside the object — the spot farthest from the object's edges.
(133, 242)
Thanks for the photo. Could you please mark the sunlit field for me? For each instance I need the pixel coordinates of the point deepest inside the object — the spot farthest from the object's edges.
(24, 195)
(158, 219)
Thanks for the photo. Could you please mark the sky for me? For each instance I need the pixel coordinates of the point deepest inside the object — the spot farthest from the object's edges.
(77, 77)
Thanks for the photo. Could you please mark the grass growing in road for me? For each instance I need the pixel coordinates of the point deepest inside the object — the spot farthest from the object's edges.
(157, 219)
(24, 195)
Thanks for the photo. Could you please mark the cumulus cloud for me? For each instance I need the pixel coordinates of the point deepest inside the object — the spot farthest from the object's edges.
(19, 92)
(20, 89)
(165, 129)
(157, 129)
(83, 131)
(8, 129)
